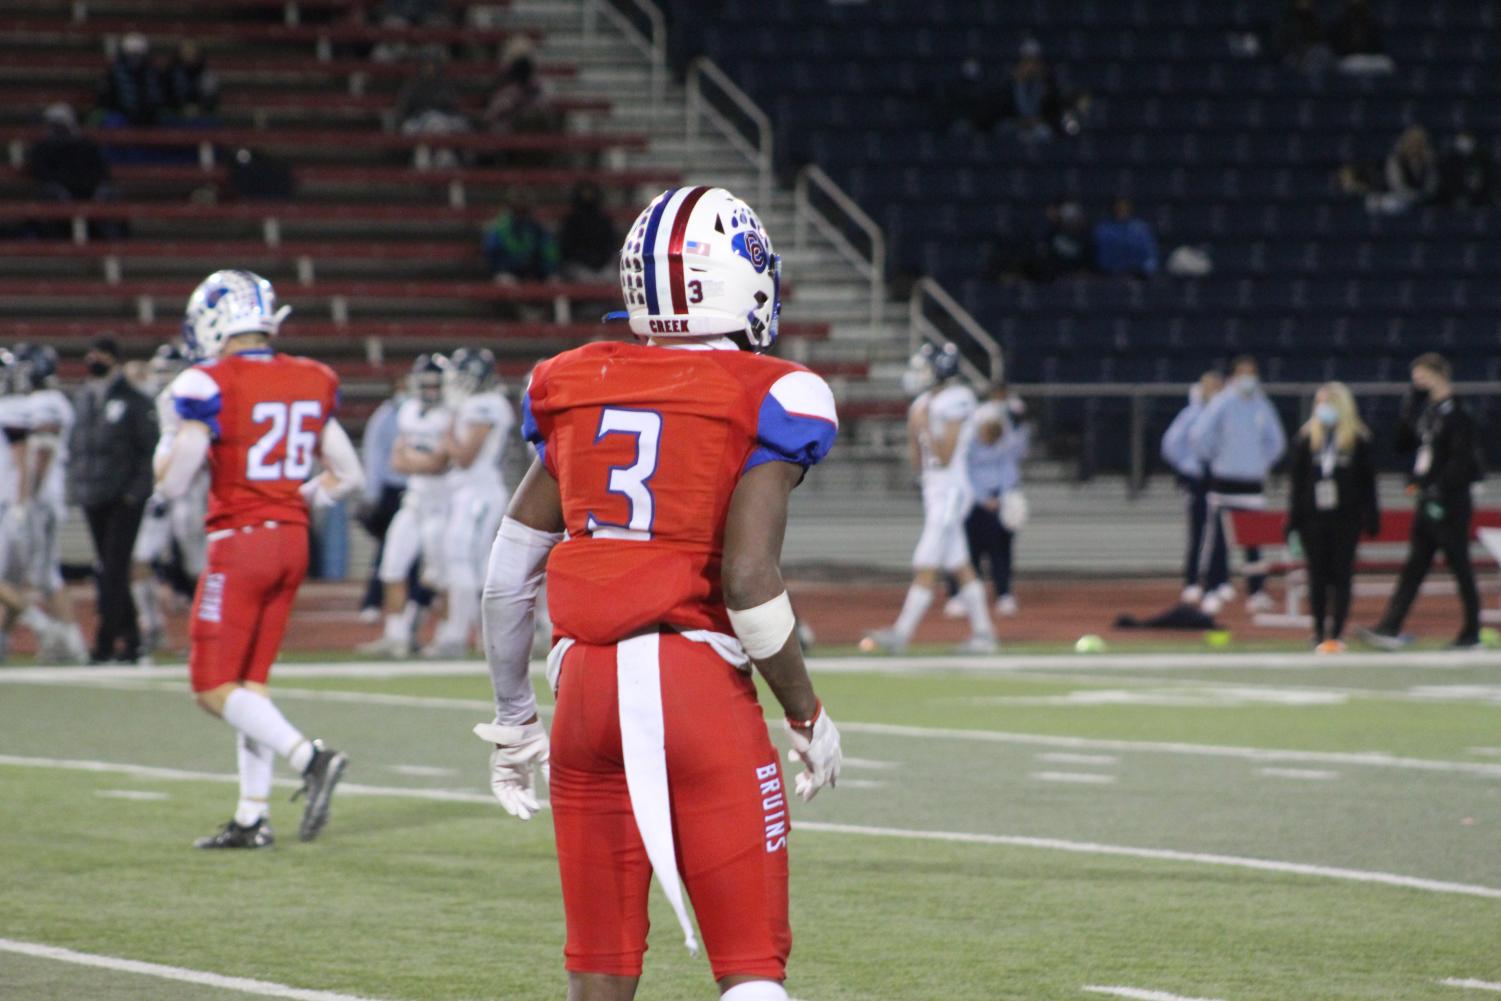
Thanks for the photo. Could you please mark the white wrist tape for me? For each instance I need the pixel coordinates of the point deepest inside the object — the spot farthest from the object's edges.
(763, 630)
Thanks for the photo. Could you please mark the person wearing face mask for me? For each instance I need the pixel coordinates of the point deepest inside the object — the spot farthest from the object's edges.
(1332, 499)
(110, 477)
(1178, 452)
(1239, 438)
(1438, 431)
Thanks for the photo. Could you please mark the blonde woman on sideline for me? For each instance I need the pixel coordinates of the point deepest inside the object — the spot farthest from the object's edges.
(1333, 499)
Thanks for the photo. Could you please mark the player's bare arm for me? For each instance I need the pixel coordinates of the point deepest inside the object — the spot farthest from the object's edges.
(757, 599)
(465, 447)
(411, 461)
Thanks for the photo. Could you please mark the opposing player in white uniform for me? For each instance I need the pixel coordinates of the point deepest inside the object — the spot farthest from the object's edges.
(51, 421)
(477, 494)
(421, 453)
(168, 524)
(16, 491)
(939, 431)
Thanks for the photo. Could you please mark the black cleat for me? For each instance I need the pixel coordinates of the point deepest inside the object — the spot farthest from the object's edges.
(318, 781)
(1465, 641)
(232, 835)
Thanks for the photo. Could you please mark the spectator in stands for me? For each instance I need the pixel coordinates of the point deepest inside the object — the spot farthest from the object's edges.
(1239, 438)
(518, 247)
(132, 92)
(1331, 501)
(1036, 111)
(1412, 171)
(520, 102)
(191, 89)
(1065, 249)
(1300, 37)
(974, 98)
(1203, 573)
(65, 164)
(413, 13)
(110, 477)
(588, 240)
(1467, 175)
(1436, 428)
(1125, 244)
(429, 103)
(1355, 38)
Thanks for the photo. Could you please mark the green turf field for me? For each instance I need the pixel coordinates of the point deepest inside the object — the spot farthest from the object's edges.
(1215, 829)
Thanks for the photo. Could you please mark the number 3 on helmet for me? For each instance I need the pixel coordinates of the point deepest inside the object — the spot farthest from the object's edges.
(697, 263)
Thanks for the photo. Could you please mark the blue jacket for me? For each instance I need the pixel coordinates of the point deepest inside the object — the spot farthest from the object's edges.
(375, 448)
(1177, 445)
(1240, 437)
(1125, 247)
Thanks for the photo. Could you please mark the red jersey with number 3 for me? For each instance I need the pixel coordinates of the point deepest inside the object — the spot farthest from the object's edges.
(266, 412)
(647, 444)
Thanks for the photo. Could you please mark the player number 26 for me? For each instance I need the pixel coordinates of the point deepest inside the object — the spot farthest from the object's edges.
(297, 423)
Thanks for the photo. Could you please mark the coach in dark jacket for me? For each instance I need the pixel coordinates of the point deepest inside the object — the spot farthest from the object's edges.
(109, 476)
(1439, 432)
(1332, 500)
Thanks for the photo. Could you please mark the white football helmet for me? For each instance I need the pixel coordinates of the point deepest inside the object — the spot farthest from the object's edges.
(697, 263)
(227, 303)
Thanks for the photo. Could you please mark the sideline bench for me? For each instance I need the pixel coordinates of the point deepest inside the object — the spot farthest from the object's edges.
(1265, 529)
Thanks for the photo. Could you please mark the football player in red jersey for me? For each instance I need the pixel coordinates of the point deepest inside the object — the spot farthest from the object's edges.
(260, 420)
(669, 463)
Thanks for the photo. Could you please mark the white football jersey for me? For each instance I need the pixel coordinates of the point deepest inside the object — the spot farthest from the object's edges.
(937, 409)
(492, 410)
(51, 408)
(423, 430)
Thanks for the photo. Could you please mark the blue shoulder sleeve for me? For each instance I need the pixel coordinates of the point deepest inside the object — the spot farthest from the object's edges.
(796, 422)
(195, 397)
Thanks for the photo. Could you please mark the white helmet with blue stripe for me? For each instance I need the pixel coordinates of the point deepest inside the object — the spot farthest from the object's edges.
(697, 263)
(227, 303)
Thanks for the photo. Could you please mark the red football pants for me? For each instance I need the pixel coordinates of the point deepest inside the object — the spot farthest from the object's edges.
(242, 604)
(729, 815)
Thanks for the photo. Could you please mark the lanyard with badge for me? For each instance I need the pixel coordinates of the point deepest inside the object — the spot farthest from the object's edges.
(1325, 488)
(1423, 461)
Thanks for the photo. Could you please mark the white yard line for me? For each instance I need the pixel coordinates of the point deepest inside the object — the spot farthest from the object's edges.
(132, 794)
(883, 766)
(1137, 994)
(1148, 661)
(242, 984)
(959, 837)
(1067, 758)
(1473, 985)
(1307, 774)
(1366, 759)
(1374, 759)
(1166, 855)
(1078, 778)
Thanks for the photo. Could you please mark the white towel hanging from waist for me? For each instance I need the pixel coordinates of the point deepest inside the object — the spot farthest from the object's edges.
(643, 745)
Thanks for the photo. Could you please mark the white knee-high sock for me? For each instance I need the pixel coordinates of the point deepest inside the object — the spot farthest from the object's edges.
(463, 612)
(913, 608)
(257, 717)
(973, 596)
(756, 990)
(256, 761)
(147, 612)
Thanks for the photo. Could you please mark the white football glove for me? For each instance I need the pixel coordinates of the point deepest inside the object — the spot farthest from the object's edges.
(516, 750)
(315, 494)
(819, 753)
